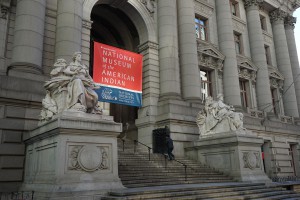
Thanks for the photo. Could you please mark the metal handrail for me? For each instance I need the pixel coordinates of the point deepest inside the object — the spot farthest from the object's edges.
(149, 153)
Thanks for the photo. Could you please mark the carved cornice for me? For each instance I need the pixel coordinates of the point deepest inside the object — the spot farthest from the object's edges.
(289, 22)
(277, 15)
(249, 3)
(147, 45)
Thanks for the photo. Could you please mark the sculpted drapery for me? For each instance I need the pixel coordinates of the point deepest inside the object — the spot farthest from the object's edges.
(217, 117)
(70, 88)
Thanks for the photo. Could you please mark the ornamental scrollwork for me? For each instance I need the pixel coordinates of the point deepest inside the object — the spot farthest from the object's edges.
(290, 21)
(277, 15)
(251, 160)
(88, 158)
(249, 3)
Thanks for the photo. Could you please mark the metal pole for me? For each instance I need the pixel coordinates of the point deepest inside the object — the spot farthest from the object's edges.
(149, 152)
(185, 172)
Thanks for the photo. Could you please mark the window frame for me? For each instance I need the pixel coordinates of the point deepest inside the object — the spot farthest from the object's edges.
(263, 23)
(205, 27)
(206, 84)
(268, 54)
(244, 92)
(234, 6)
(238, 40)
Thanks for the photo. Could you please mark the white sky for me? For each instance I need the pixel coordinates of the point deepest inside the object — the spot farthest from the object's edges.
(297, 31)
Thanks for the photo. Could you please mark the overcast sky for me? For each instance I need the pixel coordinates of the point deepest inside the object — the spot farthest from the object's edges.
(297, 31)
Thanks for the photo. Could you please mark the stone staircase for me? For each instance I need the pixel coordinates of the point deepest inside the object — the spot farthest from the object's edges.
(159, 178)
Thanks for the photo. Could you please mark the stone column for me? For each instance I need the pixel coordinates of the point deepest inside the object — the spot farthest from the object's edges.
(4, 15)
(283, 61)
(168, 48)
(290, 37)
(226, 45)
(68, 28)
(27, 50)
(263, 89)
(190, 75)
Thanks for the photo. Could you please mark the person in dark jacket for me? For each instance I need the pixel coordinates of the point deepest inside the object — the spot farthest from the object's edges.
(170, 147)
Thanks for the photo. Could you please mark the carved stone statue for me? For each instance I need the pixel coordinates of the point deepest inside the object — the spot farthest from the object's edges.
(217, 117)
(70, 88)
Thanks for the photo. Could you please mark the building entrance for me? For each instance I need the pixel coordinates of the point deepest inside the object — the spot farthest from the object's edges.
(113, 27)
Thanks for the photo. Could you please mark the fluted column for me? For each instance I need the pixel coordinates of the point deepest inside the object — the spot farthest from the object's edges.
(190, 75)
(283, 61)
(168, 48)
(258, 55)
(27, 47)
(68, 28)
(227, 47)
(290, 37)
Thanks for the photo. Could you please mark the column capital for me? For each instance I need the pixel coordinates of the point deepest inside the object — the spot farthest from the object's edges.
(289, 22)
(277, 15)
(249, 3)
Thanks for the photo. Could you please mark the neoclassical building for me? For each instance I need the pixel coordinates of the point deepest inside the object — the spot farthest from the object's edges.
(192, 49)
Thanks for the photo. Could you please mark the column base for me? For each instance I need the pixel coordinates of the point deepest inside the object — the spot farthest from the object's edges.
(73, 155)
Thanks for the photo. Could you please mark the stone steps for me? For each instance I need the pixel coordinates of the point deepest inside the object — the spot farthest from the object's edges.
(209, 191)
(158, 178)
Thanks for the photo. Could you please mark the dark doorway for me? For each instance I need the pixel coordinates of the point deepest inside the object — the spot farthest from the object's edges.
(113, 27)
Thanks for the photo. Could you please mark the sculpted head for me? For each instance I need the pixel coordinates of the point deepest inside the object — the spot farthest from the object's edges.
(220, 97)
(77, 56)
(60, 62)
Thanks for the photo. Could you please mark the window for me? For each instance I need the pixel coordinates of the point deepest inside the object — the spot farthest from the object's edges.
(243, 91)
(268, 55)
(206, 84)
(234, 6)
(201, 28)
(263, 23)
(274, 100)
(238, 43)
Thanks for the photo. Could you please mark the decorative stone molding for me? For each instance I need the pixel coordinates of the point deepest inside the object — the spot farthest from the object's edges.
(256, 113)
(203, 8)
(246, 69)
(150, 5)
(249, 3)
(88, 158)
(289, 22)
(5, 5)
(87, 24)
(209, 56)
(267, 37)
(238, 24)
(277, 15)
(251, 160)
(147, 45)
(286, 119)
(276, 79)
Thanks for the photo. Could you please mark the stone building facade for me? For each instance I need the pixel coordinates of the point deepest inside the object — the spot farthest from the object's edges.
(192, 49)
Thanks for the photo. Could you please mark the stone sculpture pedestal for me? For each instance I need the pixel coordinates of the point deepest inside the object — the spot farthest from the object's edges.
(72, 155)
(235, 154)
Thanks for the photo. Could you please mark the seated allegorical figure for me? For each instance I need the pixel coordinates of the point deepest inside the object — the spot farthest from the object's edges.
(70, 88)
(218, 117)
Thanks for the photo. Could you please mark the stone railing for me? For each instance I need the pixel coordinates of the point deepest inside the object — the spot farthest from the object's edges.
(256, 113)
(286, 119)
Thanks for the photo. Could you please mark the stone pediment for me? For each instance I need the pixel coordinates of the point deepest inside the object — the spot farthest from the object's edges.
(210, 50)
(274, 73)
(246, 64)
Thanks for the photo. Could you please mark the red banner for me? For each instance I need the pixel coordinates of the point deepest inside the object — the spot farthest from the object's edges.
(116, 68)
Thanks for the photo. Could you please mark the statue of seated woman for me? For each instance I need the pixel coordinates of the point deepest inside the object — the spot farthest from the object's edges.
(218, 117)
(70, 88)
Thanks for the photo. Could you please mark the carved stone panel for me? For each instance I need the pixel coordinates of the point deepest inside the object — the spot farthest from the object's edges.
(251, 160)
(88, 158)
